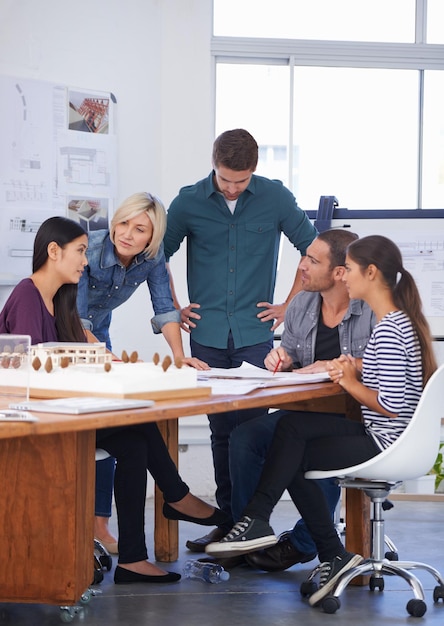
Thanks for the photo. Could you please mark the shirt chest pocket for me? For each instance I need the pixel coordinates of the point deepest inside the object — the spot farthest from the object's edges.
(259, 238)
(358, 346)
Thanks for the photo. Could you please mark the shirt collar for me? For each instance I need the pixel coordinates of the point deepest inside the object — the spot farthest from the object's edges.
(211, 187)
(354, 308)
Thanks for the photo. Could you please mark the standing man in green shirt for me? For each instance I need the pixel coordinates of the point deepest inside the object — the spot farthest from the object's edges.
(233, 221)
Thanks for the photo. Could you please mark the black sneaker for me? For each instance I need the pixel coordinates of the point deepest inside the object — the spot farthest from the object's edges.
(245, 536)
(329, 573)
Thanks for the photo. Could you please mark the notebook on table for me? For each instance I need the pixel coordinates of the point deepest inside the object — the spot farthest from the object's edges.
(79, 405)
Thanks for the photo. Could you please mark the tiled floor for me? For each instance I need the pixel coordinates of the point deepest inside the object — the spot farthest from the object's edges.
(257, 598)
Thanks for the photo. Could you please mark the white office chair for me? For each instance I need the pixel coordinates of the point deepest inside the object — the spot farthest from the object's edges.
(412, 455)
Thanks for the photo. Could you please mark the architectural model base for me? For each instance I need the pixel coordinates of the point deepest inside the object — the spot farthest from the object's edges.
(99, 378)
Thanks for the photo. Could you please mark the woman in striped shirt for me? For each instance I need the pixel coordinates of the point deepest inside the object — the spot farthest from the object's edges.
(397, 363)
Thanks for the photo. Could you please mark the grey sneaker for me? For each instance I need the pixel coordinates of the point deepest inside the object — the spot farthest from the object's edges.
(329, 573)
(247, 535)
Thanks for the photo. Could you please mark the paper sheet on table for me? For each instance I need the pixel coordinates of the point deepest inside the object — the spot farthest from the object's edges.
(246, 378)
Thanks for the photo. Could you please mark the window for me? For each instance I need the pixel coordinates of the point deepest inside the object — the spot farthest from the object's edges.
(360, 120)
(353, 20)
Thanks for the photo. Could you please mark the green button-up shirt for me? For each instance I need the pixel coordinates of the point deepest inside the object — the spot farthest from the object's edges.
(232, 258)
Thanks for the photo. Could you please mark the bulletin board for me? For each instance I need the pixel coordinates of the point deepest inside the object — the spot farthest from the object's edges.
(57, 157)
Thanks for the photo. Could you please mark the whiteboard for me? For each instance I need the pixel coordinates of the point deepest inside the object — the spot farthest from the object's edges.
(57, 157)
(420, 237)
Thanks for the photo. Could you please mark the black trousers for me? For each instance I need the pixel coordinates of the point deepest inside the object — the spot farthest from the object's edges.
(302, 442)
(137, 449)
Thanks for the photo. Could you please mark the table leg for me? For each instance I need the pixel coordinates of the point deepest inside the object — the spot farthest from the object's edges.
(46, 517)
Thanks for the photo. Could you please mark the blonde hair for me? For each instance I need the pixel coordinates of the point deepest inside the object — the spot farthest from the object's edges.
(133, 206)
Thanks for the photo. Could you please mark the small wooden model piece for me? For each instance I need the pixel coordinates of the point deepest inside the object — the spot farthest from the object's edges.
(166, 363)
(178, 362)
(125, 357)
(48, 364)
(107, 367)
(156, 358)
(36, 363)
(133, 357)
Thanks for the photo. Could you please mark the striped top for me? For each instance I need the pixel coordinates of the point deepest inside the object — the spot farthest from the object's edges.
(392, 366)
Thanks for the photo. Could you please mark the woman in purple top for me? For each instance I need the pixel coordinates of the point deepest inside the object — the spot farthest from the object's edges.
(44, 306)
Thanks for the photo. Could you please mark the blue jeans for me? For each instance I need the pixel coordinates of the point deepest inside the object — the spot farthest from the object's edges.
(222, 424)
(249, 445)
(104, 486)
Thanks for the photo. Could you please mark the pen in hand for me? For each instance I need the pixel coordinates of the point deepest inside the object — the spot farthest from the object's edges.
(277, 366)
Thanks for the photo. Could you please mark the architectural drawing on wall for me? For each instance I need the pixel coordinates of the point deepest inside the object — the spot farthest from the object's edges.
(88, 112)
(91, 213)
(23, 225)
(424, 257)
(45, 164)
(83, 166)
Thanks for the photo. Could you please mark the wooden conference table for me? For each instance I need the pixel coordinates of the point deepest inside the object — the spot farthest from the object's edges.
(47, 496)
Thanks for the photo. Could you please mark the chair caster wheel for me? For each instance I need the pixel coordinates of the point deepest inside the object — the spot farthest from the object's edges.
(98, 577)
(106, 561)
(330, 604)
(308, 587)
(416, 608)
(376, 582)
(391, 556)
(438, 593)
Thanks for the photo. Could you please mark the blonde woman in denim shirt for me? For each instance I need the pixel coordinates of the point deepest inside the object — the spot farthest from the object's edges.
(119, 260)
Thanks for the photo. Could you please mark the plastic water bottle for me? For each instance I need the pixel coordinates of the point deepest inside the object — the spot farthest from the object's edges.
(208, 572)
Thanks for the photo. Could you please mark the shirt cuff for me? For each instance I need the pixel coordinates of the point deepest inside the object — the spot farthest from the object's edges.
(87, 325)
(158, 321)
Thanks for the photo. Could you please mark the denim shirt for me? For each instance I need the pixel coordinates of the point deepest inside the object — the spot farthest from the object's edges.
(301, 326)
(106, 284)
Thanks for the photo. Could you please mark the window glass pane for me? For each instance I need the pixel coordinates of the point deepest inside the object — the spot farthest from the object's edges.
(356, 133)
(343, 20)
(433, 162)
(256, 97)
(435, 21)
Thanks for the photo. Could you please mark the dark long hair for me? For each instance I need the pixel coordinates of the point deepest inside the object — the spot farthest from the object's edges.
(386, 256)
(61, 230)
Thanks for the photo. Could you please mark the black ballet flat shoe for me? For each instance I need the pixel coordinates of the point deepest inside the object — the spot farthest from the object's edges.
(124, 576)
(218, 518)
